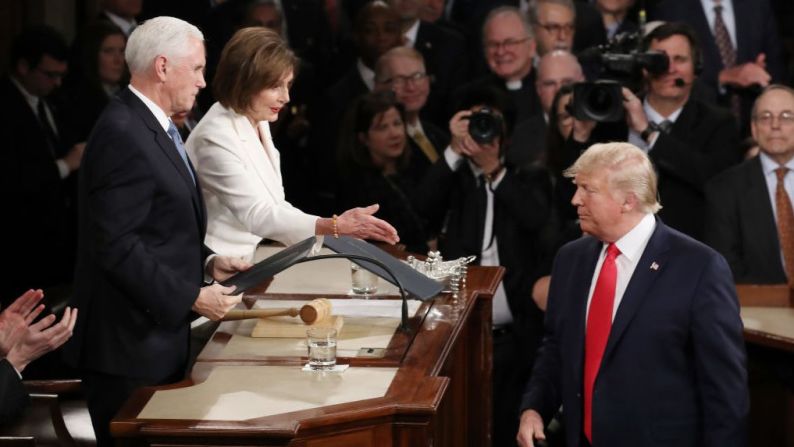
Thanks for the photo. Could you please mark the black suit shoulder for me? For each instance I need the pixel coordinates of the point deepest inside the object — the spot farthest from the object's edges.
(13, 396)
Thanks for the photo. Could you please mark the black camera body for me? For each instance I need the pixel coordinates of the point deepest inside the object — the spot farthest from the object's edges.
(621, 64)
(485, 125)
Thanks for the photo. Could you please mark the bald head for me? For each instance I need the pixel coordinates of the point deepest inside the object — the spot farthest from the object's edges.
(556, 69)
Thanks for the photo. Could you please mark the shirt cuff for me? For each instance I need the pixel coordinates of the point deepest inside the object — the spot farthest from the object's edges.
(208, 275)
(452, 158)
(63, 168)
(498, 179)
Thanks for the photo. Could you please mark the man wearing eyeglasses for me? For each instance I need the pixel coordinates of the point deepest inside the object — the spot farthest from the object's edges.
(38, 165)
(402, 70)
(509, 46)
(553, 22)
(749, 217)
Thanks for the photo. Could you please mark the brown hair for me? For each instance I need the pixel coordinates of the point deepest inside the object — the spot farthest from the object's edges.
(255, 58)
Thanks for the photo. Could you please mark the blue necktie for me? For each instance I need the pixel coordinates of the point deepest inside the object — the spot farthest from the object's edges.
(180, 147)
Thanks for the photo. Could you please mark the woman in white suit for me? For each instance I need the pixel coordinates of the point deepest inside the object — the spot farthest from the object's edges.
(239, 167)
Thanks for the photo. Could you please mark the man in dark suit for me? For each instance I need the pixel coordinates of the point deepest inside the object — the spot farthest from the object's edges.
(745, 221)
(643, 342)
(754, 50)
(141, 258)
(509, 47)
(22, 341)
(38, 165)
(688, 140)
(402, 71)
(497, 212)
(445, 56)
(555, 69)
(121, 13)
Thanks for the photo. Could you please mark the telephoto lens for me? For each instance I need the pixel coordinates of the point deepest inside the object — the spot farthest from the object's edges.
(485, 125)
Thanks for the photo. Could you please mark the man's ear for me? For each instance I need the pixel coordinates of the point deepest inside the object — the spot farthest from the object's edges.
(161, 67)
(630, 202)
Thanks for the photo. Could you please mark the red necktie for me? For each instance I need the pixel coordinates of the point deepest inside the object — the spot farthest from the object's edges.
(599, 322)
(785, 223)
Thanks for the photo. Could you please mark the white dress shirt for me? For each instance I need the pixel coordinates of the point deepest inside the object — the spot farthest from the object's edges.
(367, 75)
(727, 16)
(410, 35)
(631, 247)
(653, 117)
(489, 254)
(126, 26)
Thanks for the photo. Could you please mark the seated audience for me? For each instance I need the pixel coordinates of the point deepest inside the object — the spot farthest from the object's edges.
(238, 165)
(376, 166)
(688, 140)
(509, 46)
(121, 13)
(742, 52)
(96, 73)
(496, 212)
(556, 69)
(749, 218)
(22, 341)
(616, 16)
(553, 22)
(38, 164)
(402, 70)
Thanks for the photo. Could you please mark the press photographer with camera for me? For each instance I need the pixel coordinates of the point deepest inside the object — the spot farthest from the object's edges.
(497, 212)
(688, 140)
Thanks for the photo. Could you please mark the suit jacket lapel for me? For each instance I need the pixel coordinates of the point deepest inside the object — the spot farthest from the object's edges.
(256, 154)
(757, 204)
(742, 9)
(651, 265)
(166, 144)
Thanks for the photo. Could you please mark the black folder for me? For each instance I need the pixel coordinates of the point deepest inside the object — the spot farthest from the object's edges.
(415, 283)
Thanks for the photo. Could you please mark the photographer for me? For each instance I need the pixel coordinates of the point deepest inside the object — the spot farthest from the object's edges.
(688, 140)
(495, 211)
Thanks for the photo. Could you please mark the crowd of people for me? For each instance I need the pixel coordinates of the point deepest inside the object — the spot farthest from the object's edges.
(154, 153)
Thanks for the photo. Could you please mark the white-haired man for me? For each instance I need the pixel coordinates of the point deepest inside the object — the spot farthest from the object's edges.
(141, 259)
(643, 341)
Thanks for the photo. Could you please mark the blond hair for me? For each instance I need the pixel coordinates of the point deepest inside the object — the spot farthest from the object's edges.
(630, 171)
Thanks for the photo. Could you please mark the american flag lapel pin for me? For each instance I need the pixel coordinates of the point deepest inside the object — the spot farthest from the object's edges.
(654, 266)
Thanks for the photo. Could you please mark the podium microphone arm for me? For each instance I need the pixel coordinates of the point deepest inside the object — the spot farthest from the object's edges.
(404, 317)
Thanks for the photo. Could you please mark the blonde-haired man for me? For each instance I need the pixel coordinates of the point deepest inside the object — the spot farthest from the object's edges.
(643, 340)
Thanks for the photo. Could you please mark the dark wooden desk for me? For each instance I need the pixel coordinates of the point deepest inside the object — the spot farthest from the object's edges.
(440, 395)
(768, 316)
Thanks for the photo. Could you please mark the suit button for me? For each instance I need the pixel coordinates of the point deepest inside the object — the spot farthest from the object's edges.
(579, 395)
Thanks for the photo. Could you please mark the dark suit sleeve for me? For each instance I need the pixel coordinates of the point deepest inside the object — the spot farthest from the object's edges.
(13, 396)
(722, 223)
(121, 195)
(695, 163)
(719, 356)
(543, 393)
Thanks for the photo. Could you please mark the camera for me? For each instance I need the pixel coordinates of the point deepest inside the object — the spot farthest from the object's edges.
(485, 125)
(621, 64)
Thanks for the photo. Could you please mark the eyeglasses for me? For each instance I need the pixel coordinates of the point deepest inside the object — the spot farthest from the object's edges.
(785, 118)
(507, 44)
(400, 81)
(557, 28)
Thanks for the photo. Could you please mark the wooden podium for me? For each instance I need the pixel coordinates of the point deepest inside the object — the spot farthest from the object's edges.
(440, 393)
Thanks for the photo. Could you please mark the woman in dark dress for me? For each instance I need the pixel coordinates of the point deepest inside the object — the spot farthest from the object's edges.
(375, 166)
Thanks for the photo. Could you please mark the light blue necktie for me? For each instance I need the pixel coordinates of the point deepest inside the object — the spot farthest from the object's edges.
(180, 147)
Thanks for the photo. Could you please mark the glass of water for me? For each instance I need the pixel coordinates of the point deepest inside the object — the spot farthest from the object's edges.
(322, 348)
(363, 281)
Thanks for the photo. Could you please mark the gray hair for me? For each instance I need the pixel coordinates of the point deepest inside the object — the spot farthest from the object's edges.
(508, 10)
(534, 5)
(630, 171)
(160, 36)
(408, 52)
(769, 88)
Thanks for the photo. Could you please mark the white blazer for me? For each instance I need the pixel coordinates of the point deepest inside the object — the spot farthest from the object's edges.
(241, 181)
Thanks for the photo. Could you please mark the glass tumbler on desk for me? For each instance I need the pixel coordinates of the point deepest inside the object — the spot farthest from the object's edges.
(363, 281)
(322, 348)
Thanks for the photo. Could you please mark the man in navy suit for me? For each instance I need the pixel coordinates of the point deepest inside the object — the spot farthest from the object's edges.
(141, 258)
(643, 343)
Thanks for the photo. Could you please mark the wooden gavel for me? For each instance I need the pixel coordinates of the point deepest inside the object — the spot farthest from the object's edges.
(312, 312)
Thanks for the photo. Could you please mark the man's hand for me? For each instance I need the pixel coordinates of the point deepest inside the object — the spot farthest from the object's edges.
(214, 301)
(223, 267)
(635, 114)
(74, 157)
(531, 428)
(16, 318)
(747, 74)
(42, 337)
(360, 223)
(459, 130)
